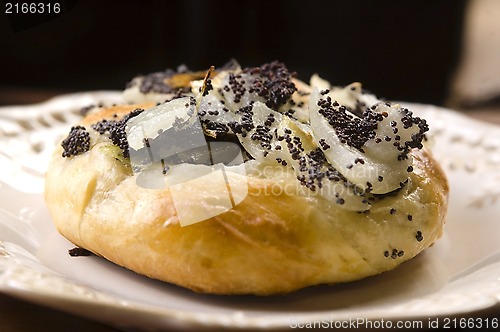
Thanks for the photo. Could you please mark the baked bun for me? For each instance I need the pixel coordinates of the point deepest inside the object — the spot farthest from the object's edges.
(284, 231)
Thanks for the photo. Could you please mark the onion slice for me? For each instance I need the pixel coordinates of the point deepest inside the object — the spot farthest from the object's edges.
(382, 162)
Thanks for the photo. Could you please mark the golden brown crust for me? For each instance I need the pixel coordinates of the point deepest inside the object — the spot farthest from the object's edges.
(109, 113)
(273, 242)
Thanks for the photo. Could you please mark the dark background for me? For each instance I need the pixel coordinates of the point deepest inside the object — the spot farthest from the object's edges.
(402, 50)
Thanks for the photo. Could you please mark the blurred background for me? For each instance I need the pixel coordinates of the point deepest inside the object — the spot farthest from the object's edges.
(410, 50)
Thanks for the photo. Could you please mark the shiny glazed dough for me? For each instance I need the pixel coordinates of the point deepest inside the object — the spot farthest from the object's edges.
(273, 242)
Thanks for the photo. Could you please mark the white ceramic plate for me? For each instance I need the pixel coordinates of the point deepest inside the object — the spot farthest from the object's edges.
(460, 274)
